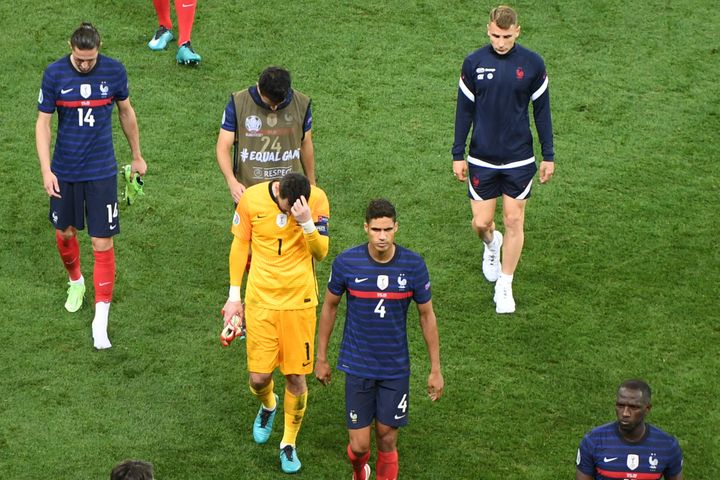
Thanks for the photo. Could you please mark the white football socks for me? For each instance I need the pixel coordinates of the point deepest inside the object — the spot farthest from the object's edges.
(99, 326)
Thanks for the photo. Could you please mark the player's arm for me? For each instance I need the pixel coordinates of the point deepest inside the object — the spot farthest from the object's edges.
(328, 315)
(540, 97)
(43, 133)
(679, 476)
(463, 120)
(307, 157)
(238, 259)
(223, 152)
(428, 323)
(129, 124)
(582, 476)
(316, 234)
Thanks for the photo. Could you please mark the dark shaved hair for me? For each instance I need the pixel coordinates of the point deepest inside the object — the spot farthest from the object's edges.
(640, 385)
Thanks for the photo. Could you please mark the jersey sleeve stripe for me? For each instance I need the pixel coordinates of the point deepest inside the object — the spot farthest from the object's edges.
(465, 90)
(540, 90)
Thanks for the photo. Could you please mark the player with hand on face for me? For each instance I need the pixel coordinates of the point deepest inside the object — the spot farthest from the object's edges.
(287, 221)
(81, 179)
(380, 279)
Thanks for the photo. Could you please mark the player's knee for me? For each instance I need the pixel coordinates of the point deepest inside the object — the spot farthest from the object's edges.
(259, 380)
(359, 445)
(67, 234)
(514, 221)
(102, 244)
(481, 225)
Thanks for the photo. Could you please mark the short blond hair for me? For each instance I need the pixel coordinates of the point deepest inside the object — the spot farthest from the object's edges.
(503, 16)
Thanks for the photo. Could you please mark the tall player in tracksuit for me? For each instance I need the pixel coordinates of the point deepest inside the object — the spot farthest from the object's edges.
(380, 279)
(497, 83)
(81, 179)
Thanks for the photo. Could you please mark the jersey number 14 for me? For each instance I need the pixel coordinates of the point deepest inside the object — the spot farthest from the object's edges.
(86, 118)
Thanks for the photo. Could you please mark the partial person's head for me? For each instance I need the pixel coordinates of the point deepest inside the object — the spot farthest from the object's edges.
(84, 45)
(380, 225)
(132, 470)
(274, 86)
(292, 187)
(632, 403)
(503, 29)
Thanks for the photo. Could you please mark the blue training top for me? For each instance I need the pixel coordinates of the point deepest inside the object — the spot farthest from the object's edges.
(493, 96)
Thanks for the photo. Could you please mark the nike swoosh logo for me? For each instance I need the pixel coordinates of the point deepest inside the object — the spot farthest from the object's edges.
(64, 91)
(102, 284)
(112, 227)
(398, 418)
(305, 364)
(606, 460)
(186, 6)
(360, 280)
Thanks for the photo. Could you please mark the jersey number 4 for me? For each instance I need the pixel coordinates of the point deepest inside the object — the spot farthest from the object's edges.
(380, 308)
(86, 118)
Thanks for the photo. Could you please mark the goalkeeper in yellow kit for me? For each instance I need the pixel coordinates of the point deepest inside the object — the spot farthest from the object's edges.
(287, 222)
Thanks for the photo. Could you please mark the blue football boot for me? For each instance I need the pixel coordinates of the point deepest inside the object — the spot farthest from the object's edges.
(289, 461)
(161, 39)
(262, 428)
(186, 55)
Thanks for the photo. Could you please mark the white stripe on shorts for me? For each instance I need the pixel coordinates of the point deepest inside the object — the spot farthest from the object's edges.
(480, 163)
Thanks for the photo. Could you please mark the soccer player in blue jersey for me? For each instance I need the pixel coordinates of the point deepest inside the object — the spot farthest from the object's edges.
(380, 279)
(629, 448)
(81, 179)
(497, 83)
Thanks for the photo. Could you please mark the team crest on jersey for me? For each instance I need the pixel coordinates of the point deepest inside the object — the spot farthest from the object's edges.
(519, 73)
(85, 90)
(104, 89)
(272, 119)
(402, 281)
(633, 461)
(253, 124)
(653, 461)
(281, 220)
(383, 281)
(236, 219)
(288, 117)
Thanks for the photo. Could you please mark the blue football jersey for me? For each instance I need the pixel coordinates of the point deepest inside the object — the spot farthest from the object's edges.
(605, 455)
(84, 102)
(374, 343)
(494, 93)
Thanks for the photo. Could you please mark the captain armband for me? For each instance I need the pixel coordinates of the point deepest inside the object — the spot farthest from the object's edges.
(322, 225)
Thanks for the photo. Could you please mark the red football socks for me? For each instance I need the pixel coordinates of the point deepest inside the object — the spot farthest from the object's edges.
(358, 464)
(387, 465)
(162, 8)
(70, 254)
(104, 275)
(185, 10)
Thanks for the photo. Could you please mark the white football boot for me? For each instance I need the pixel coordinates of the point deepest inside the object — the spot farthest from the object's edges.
(491, 257)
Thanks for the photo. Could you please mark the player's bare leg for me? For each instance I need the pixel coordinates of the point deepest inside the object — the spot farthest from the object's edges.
(514, 220)
(483, 224)
(104, 282)
(387, 466)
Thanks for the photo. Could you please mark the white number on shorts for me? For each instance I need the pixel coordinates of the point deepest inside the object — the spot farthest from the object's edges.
(403, 403)
(88, 118)
(112, 212)
(379, 309)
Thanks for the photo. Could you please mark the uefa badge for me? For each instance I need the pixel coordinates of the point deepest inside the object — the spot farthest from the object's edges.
(633, 461)
(253, 123)
(383, 281)
(85, 90)
(281, 220)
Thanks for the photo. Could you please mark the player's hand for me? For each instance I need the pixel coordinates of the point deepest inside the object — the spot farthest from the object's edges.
(547, 169)
(460, 170)
(233, 318)
(50, 182)
(236, 190)
(436, 384)
(138, 166)
(300, 210)
(323, 372)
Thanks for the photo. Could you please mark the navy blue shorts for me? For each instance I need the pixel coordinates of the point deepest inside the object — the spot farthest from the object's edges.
(485, 183)
(96, 199)
(385, 400)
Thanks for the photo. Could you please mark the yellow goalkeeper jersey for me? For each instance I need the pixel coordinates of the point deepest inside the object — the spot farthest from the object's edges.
(282, 271)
